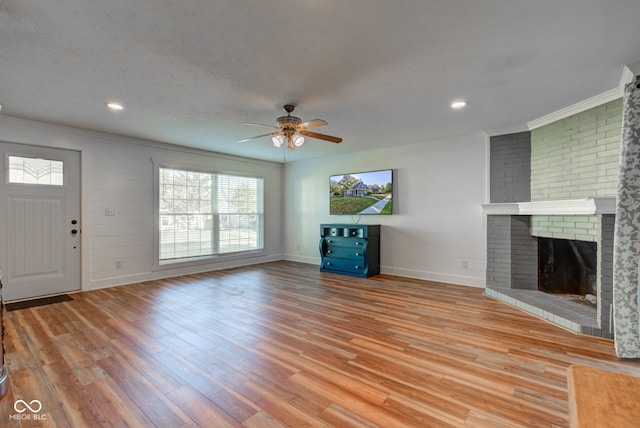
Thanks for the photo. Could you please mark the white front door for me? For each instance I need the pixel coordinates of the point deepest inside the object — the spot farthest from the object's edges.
(40, 223)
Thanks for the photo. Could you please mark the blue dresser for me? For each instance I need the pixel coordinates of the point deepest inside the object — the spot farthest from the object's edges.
(350, 249)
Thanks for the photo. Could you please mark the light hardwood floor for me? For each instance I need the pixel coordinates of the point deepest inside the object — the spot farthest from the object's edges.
(282, 344)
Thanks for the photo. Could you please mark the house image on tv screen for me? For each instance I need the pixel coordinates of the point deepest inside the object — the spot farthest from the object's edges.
(358, 189)
(361, 193)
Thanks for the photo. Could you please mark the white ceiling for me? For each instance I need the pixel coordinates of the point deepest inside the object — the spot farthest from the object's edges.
(190, 72)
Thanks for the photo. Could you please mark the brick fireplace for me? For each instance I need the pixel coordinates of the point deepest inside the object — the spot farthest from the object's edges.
(554, 182)
(513, 248)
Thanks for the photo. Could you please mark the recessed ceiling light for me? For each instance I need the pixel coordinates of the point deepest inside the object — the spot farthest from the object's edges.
(115, 106)
(458, 104)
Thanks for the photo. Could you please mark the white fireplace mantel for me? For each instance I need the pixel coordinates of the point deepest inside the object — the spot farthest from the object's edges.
(586, 206)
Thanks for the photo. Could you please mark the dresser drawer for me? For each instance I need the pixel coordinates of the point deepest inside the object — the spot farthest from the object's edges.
(351, 253)
(345, 242)
(343, 230)
(343, 265)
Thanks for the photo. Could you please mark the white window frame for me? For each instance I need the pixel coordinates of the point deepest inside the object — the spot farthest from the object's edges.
(186, 261)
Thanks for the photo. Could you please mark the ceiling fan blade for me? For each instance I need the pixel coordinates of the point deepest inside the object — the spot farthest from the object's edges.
(259, 124)
(257, 136)
(321, 136)
(313, 123)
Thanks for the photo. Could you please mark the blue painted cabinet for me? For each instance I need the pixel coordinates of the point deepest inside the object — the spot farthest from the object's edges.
(350, 249)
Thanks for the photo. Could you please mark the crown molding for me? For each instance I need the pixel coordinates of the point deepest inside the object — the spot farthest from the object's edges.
(634, 69)
(597, 100)
(576, 108)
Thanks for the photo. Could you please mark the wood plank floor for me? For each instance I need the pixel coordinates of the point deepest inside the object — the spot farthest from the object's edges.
(282, 344)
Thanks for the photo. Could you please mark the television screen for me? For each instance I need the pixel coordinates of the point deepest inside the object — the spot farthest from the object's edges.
(361, 193)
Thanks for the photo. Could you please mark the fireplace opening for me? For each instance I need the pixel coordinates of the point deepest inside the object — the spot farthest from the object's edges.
(567, 268)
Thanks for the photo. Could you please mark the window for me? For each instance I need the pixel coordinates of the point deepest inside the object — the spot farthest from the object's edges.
(203, 214)
(239, 213)
(23, 170)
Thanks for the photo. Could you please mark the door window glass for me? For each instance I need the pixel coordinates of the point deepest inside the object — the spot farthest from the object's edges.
(23, 170)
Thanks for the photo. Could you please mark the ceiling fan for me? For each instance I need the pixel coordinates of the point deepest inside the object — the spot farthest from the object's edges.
(292, 130)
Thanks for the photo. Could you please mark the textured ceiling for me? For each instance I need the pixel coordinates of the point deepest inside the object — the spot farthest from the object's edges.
(380, 72)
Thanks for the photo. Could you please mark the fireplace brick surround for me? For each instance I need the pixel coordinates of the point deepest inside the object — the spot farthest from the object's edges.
(512, 275)
(556, 181)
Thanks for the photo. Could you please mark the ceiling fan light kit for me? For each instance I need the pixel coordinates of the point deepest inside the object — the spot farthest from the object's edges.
(277, 140)
(292, 130)
(298, 140)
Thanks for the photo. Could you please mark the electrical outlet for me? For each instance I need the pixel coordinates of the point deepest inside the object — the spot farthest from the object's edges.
(465, 264)
(109, 211)
(118, 264)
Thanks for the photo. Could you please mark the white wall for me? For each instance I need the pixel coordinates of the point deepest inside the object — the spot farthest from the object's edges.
(117, 172)
(437, 223)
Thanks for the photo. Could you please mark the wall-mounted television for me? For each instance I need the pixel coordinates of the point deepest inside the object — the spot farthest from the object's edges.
(369, 192)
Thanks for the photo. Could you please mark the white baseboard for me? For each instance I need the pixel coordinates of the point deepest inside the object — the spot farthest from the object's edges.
(302, 259)
(115, 281)
(470, 281)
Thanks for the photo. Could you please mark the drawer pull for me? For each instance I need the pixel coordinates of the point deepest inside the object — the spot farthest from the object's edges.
(358, 254)
(357, 267)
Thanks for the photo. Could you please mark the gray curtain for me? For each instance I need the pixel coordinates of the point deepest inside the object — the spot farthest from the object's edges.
(627, 230)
